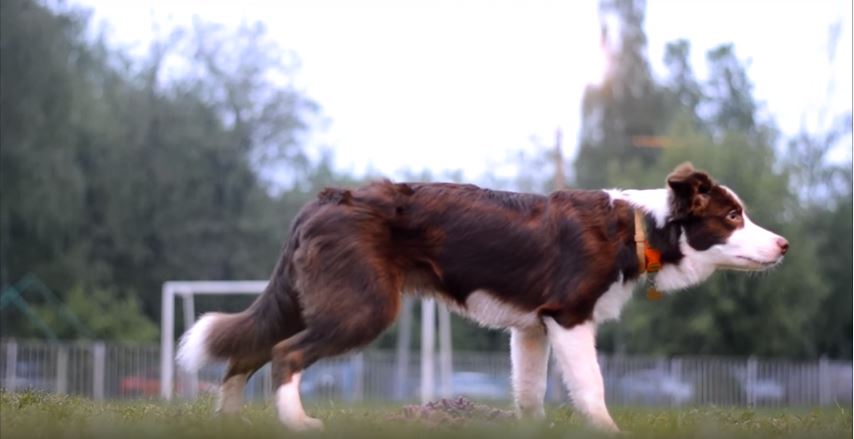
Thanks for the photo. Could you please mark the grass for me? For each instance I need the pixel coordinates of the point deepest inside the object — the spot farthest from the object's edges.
(35, 415)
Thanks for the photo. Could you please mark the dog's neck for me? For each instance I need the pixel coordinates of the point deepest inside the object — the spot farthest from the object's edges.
(693, 268)
(681, 265)
(654, 202)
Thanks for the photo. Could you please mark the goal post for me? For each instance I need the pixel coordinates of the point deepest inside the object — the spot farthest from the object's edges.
(187, 290)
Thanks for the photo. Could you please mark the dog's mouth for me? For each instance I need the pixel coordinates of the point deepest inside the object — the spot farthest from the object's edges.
(756, 264)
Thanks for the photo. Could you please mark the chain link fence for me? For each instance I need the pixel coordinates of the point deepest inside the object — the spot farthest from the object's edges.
(100, 370)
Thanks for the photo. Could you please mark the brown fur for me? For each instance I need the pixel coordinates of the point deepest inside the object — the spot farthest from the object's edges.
(351, 253)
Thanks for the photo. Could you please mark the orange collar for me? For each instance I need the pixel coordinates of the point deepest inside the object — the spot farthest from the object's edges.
(649, 259)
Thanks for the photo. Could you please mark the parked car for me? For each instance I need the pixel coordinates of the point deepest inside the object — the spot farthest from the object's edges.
(479, 385)
(327, 380)
(653, 386)
(30, 375)
(147, 384)
(764, 389)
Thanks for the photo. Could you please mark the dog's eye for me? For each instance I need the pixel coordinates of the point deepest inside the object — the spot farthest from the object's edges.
(734, 215)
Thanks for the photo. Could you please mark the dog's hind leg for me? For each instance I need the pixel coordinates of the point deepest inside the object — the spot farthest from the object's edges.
(529, 352)
(239, 371)
(348, 320)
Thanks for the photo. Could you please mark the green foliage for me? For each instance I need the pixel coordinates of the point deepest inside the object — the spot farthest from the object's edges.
(627, 107)
(833, 327)
(800, 309)
(109, 316)
(736, 313)
(117, 175)
(116, 179)
(28, 415)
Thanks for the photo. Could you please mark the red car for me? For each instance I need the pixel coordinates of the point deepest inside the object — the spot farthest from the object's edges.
(148, 384)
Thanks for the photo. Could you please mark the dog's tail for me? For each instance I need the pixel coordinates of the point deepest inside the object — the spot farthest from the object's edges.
(272, 317)
(218, 336)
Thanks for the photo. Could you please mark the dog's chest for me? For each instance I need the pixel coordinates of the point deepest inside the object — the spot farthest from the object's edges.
(485, 309)
(611, 303)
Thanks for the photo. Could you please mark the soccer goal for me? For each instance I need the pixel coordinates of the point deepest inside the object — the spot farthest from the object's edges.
(187, 291)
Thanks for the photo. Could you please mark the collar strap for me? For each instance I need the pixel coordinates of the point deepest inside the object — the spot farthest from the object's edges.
(649, 259)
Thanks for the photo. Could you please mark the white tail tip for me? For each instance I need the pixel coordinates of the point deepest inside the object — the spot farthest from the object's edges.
(193, 352)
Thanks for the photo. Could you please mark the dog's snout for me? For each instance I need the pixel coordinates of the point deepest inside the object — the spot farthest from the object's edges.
(783, 244)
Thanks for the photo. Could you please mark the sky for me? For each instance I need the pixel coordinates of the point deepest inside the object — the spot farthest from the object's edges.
(466, 84)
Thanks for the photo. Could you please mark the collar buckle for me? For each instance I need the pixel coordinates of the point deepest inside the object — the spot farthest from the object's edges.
(649, 259)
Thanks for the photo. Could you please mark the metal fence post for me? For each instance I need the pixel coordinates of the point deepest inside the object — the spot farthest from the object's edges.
(191, 381)
(676, 372)
(11, 364)
(267, 381)
(167, 343)
(358, 362)
(750, 381)
(824, 384)
(428, 348)
(99, 356)
(446, 362)
(404, 341)
(61, 369)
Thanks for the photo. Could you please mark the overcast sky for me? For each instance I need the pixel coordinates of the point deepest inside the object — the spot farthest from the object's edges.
(464, 84)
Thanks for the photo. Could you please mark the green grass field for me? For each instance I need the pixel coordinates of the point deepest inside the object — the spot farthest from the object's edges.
(33, 415)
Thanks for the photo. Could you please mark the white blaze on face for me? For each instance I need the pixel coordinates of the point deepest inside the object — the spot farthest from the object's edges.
(751, 247)
(748, 248)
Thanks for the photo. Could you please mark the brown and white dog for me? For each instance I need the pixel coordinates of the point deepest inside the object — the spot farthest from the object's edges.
(548, 268)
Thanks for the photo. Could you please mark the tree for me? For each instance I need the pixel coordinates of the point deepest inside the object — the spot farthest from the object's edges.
(41, 80)
(117, 177)
(684, 91)
(627, 110)
(715, 124)
(772, 314)
(735, 313)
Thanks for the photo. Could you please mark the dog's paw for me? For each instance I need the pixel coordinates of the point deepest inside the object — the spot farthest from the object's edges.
(531, 413)
(307, 424)
(605, 425)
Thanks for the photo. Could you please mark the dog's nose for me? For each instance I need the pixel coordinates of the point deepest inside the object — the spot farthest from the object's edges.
(783, 244)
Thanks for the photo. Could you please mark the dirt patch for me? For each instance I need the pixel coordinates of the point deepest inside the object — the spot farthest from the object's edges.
(454, 411)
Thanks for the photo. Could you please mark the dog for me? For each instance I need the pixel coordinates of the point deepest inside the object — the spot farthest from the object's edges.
(548, 268)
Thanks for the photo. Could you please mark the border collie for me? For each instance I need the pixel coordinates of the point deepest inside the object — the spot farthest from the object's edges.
(548, 268)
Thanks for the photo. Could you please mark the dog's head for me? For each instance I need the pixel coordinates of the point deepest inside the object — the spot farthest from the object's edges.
(717, 230)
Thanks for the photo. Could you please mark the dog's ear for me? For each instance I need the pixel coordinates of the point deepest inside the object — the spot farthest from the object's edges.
(690, 190)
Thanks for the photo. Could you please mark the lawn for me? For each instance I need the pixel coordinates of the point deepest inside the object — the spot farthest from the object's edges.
(34, 415)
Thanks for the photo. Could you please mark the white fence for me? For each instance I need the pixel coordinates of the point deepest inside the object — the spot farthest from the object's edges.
(121, 371)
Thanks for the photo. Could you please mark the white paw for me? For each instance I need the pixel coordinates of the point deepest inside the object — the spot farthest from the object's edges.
(536, 413)
(306, 423)
(605, 425)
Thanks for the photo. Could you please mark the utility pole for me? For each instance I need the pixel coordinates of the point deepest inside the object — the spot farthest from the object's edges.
(560, 178)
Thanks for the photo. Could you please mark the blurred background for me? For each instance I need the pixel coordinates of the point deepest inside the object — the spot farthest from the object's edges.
(150, 141)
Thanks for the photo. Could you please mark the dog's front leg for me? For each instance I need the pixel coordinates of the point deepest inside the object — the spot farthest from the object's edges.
(575, 350)
(529, 353)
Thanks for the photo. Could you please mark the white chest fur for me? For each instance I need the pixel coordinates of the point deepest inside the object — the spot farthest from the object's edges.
(610, 304)
(490, 312)
(483, 308)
